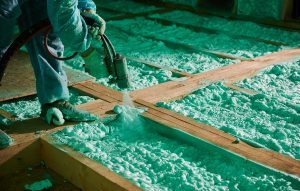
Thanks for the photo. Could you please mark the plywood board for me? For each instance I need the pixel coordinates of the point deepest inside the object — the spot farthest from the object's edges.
(19, 79)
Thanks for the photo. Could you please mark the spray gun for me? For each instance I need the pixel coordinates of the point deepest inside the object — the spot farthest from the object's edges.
(115, 63)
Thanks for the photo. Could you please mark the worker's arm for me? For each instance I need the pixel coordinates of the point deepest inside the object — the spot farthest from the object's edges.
(65, 18)
(86, 5)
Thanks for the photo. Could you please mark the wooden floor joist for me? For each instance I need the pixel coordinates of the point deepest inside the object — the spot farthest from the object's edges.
(231, 73)
(80, 170)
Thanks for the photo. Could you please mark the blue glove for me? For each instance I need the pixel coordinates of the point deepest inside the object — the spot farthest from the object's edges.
(95, 30)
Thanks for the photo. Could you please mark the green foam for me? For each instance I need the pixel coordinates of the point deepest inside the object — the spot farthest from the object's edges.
(125, 6)
(281, 81)
(27, 108)
(192, 3)
(155, 157)
(236, 27)
(217, 42)
(141, 76)
(271, 9)
(159, 54)
(39, 186)
(262, 120)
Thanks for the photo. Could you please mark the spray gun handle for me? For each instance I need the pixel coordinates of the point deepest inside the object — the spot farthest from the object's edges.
(89, 21)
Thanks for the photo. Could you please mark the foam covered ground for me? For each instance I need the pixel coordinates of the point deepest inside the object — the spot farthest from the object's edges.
(257, 8)
(141, 76)
(281, 81)
(236, 27)
(216, 42)
(155, 162)
(158, 53)
(262, 120)
(125, 6)
(27, 108)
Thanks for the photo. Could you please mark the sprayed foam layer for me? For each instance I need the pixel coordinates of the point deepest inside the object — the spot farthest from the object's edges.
(28, 108)
(155, 162)
(281, 81)
(271, 9)
(125, 6)
(216, 42)
(141, 76)
(192, 3)
(236, 27)
(159, 54)
(260, 120)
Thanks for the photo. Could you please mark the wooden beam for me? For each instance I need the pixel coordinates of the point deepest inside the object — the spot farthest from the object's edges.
(88, 89)
(80, 170)
(100, 91)
(231, 73)
(222, 139)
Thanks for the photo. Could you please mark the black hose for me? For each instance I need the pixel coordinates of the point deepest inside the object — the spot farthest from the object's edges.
(23, 38)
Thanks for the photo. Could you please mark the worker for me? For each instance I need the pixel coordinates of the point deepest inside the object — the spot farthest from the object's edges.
(70, 32)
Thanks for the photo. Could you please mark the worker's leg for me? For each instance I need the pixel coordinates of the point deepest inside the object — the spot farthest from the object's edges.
(51, 80)
(9, 12)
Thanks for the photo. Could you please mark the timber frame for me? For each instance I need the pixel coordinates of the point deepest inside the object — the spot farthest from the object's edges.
(30, 147)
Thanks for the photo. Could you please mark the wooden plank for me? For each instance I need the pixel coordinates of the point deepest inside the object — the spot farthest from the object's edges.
(153, 65)
(80, 170)
(100, 91)
(222, 139)
(19, 79)
(90, 91)
(230, 74)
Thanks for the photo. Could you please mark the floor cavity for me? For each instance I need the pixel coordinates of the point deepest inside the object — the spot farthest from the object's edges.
(260, 120)
(27, 108)
(156, 162)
